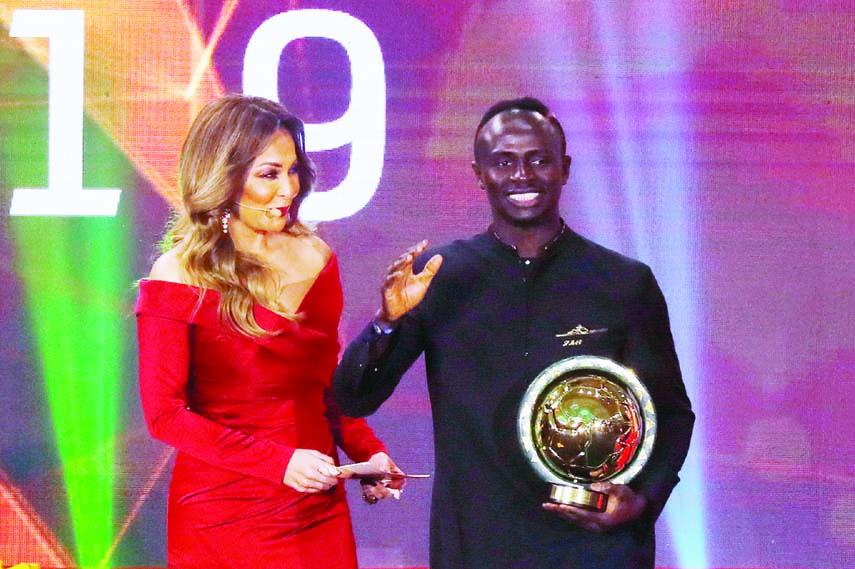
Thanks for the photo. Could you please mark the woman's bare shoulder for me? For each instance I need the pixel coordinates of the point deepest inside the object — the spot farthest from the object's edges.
(167, 267)
(312, 254)
(300, 258)
(319, 246)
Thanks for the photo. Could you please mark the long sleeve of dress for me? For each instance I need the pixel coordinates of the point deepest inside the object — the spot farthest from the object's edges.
(353, 436)
(164, 366)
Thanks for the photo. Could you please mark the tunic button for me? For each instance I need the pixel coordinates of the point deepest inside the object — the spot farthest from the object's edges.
(528, 262)
(526, 355)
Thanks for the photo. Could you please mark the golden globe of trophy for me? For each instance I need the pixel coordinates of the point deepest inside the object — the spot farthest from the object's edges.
(583, 420)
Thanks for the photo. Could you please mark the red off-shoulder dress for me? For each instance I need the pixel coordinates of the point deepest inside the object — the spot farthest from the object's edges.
(236, 408)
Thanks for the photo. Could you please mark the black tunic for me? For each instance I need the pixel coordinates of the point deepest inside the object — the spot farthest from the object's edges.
(490, 322)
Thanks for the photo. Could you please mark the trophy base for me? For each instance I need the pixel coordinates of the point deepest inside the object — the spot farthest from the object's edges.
(578, 496)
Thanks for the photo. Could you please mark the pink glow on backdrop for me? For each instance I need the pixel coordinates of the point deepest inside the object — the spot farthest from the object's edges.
(745, 111)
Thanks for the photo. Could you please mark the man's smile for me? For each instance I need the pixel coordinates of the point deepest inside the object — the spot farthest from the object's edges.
(525, 198)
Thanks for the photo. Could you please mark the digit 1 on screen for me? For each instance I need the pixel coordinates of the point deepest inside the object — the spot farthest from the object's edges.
(64, 195)
(363, 124)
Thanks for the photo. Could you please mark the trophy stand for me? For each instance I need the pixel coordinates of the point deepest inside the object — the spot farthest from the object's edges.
(578, 496)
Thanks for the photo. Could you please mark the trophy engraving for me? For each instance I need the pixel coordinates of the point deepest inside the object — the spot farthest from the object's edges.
(582, 420)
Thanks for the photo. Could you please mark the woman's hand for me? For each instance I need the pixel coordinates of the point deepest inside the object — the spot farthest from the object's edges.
(310, 471)
(402, 290)
(375, 490)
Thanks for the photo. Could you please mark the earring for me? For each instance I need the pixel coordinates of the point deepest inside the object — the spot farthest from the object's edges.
(224, 220)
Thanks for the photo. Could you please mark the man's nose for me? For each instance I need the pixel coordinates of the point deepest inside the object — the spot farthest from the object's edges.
(521, 171)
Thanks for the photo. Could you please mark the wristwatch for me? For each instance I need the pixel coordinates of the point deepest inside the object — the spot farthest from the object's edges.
(378, 331)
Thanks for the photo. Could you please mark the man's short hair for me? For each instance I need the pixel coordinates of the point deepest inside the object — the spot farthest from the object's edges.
(523, 104)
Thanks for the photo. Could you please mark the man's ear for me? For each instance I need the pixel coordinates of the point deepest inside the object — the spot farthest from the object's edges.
(565, 167)
(477, 170)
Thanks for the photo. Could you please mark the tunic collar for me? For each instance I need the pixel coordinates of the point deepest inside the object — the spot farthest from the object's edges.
(545, 250)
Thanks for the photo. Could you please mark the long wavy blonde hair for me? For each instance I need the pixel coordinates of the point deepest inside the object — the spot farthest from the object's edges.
(224, 140)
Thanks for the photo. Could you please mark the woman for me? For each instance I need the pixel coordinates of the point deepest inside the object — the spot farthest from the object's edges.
(238, 339)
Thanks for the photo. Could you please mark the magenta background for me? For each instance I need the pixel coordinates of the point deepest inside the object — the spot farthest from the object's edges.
(733, 123)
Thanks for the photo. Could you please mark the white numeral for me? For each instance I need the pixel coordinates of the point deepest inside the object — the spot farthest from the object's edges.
(363, 125)
(64, 195)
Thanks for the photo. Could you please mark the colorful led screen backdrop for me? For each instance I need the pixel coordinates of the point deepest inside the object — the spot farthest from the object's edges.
(713, 140)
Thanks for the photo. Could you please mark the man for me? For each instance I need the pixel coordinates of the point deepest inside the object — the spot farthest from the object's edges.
(490, 313)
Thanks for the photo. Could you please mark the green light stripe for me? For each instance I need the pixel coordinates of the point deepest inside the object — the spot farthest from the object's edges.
(75, 274)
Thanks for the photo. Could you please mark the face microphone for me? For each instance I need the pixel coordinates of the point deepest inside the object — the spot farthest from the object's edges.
(271, 211)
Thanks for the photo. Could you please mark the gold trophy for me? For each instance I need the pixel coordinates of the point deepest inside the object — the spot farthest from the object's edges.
(582, 420)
